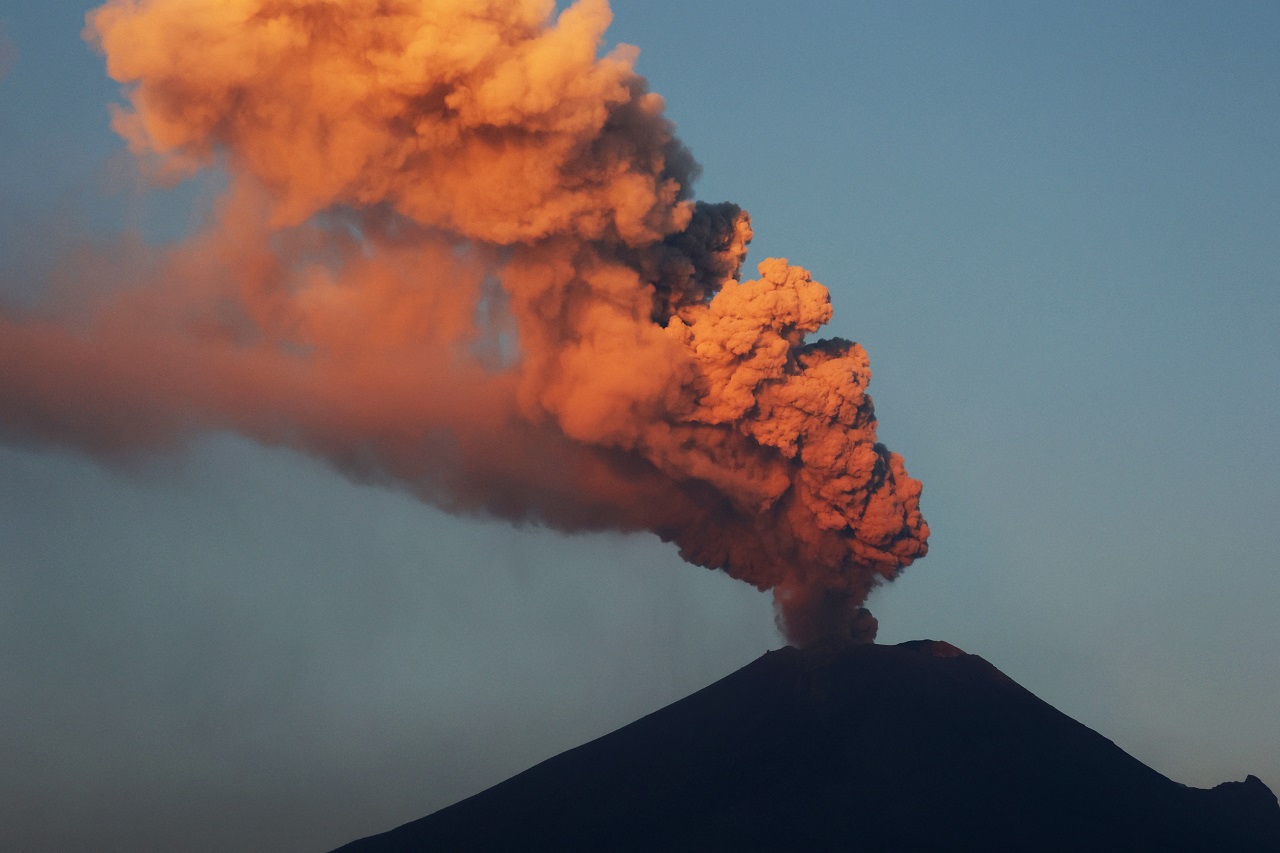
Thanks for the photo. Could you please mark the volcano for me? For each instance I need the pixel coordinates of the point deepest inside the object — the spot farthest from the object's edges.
(918, 746)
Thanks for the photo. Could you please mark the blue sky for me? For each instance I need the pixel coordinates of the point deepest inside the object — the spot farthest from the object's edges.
(1054, 227)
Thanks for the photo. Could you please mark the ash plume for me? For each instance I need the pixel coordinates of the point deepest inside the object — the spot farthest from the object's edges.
(458, 252)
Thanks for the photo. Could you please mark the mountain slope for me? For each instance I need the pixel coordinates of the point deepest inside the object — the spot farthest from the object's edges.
(909, 747)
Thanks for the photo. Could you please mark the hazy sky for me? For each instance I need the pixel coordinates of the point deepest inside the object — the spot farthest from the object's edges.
(1054, 227)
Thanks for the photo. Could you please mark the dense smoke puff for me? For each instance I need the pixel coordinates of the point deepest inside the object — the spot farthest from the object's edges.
(458, 253)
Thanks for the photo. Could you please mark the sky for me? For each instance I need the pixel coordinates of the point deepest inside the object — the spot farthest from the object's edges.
(1055, 228)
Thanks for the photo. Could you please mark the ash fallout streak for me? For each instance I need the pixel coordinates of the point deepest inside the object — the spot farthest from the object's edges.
(458, 253)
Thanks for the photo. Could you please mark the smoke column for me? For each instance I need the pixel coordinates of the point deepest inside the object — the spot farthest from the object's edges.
(458, 253)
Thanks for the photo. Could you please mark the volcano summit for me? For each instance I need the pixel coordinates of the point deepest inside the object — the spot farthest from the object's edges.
(918, 746)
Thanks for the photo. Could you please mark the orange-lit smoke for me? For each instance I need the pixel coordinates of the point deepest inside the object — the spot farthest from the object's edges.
(458, 253)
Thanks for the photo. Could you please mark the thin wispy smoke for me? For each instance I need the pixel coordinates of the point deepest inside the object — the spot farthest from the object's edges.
(8, 53)
(458, 252)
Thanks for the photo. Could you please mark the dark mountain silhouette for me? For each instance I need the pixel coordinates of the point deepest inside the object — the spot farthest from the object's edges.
(911, 747)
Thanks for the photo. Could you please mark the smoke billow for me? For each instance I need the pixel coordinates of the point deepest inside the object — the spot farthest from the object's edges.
(458, 252)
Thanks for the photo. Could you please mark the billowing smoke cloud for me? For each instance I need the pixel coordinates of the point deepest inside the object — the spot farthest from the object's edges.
(458, 253)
